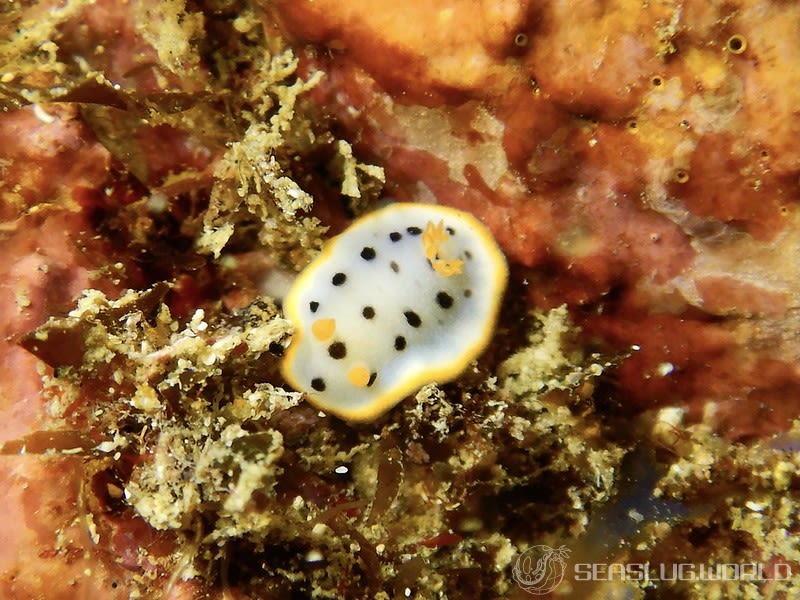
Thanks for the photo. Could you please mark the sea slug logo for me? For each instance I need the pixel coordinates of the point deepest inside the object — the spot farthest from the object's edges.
(540, 569)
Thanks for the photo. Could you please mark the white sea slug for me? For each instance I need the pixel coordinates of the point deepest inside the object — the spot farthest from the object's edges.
(407, 295)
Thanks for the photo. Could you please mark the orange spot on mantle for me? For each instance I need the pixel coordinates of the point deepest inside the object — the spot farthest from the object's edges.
(358, 375)
(323, 328)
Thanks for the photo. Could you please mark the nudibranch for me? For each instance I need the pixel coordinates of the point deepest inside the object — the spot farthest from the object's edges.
(407, 295)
